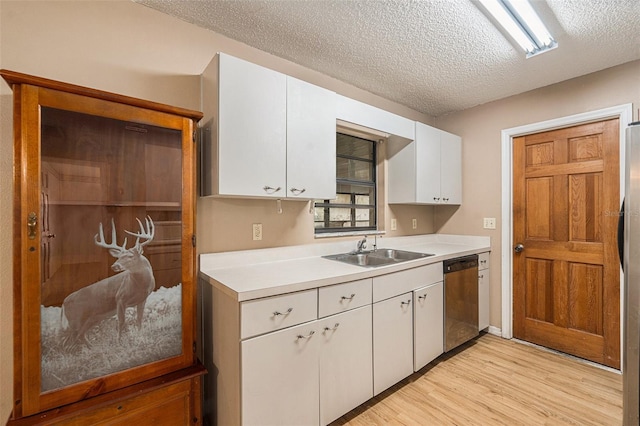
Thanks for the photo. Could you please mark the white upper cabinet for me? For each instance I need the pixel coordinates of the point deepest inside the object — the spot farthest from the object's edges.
(311, 141)
(265, 134)
(450, 168)
(428, 170)
(366, 115)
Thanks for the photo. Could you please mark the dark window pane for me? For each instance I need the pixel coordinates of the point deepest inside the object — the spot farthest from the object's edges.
(347, 168)
(350, 146)
(354, 207)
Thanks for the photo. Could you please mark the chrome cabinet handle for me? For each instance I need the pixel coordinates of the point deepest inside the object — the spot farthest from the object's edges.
(288, 311)
(348, 298)
(481, 277)
(445, 199)
(296, 191)
(271, 190)
(519, 248)
(335, 327)
(408, 302)
(424, 296)
(308, 336)
(436, 198)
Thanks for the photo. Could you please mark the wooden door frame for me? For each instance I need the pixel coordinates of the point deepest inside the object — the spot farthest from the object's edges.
(624, 113)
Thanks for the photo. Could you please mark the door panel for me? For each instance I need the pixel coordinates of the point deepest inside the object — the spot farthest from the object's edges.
(566, 280)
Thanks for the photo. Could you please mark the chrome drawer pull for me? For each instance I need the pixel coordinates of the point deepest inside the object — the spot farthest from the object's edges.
(335, 327)
(408, 302)
(348, 298)
(308, 336)
(424, 296)
(270, 189)
(296, 191)
(276, 313)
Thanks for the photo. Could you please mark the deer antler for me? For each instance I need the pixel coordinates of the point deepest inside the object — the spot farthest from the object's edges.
(99, 239)
(147, 233)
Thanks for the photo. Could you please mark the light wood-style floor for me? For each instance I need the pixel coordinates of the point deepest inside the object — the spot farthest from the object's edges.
(493, 381)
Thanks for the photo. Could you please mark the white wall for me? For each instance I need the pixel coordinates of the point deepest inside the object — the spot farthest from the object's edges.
(6, 270)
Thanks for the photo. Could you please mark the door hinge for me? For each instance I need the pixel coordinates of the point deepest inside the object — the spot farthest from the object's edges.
(193, 136)
(193, 240)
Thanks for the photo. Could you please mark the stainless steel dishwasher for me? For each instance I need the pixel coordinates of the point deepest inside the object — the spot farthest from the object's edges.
(460, 300)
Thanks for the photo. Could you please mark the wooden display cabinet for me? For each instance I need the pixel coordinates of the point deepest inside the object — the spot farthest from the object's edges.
(104, 258)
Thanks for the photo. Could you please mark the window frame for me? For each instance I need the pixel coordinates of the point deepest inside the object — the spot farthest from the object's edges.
(327, 205)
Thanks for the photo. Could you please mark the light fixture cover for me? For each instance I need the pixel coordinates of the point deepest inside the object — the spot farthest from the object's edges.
(519, 19)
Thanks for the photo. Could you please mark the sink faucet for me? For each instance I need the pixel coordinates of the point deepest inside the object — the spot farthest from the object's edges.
(362, 244)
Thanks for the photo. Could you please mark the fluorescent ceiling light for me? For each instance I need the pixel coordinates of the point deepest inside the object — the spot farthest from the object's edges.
(519, 19)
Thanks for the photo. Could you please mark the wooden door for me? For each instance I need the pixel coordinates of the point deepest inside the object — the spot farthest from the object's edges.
(566, 277)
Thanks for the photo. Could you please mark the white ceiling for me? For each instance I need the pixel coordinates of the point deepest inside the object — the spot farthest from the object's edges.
(435, 56)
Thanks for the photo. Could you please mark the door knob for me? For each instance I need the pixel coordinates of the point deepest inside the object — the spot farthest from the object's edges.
(519, 248)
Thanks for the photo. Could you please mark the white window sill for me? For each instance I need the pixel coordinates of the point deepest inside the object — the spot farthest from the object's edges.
(348, 234)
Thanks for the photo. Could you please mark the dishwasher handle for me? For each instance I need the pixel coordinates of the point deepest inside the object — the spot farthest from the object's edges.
(460, 263)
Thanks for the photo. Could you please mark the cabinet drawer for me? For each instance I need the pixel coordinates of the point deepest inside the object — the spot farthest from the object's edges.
(342, 297)
(273, 313)
(483, 261)
(391, 285)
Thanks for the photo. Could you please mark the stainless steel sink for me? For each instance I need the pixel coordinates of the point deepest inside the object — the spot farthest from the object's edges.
(378, 257)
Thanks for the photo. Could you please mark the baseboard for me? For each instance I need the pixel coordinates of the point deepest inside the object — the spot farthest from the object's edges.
(495, 331)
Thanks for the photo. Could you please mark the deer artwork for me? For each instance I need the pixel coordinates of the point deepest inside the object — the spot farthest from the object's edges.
(130, 287)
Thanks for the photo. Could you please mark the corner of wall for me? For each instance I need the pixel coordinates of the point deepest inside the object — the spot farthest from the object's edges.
(6, 263)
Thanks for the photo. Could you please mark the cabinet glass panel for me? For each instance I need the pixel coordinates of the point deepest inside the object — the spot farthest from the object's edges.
(111, 220)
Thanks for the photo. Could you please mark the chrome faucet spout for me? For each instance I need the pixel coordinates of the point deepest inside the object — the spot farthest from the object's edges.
(362, 244)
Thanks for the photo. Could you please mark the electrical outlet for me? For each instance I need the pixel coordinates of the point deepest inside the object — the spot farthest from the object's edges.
(257, 231)
(414, 223)
(489, 223)
(394, 224)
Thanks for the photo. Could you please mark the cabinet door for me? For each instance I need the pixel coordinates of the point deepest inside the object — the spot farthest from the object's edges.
(428, 324)
(428, 164)
(483, 299)
(280, 383)
(451, 168)
(252, 129)
(79, 325)
(392, 341)
(346, 379)
(311, 141)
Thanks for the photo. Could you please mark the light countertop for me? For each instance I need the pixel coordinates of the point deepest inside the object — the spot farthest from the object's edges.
(252, 274)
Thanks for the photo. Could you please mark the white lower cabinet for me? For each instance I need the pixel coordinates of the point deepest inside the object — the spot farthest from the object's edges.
(392, 341)
(483, 291)
(428, 324)
(309, 357)
(483, 299)
(346, 379)
(280, 381)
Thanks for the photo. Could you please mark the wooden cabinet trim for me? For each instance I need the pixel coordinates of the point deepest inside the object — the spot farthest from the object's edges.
(13, 78)
(122, 395)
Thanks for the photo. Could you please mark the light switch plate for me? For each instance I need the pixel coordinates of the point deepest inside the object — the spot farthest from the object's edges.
(414, 223)
(489, 223)
(394, 224)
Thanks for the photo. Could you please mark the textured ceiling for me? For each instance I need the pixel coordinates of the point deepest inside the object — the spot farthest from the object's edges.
(435, 56)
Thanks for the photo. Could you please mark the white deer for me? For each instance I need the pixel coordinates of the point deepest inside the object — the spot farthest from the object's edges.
(131, 286)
